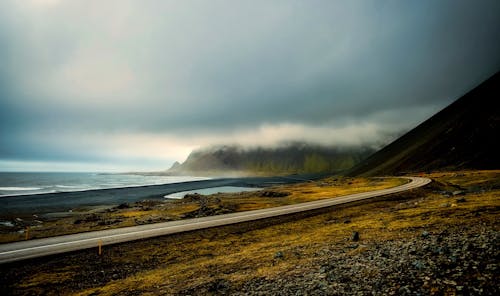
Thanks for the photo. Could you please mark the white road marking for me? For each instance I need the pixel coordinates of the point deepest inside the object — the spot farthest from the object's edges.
(186, 225)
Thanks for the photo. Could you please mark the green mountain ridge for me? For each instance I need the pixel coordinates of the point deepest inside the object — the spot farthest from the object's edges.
(288, 159)
(463, 135)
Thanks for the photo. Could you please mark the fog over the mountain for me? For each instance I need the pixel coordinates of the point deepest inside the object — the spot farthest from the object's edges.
(118, 85)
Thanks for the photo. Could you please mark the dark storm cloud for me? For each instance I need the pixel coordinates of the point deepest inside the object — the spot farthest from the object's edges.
(78, 73)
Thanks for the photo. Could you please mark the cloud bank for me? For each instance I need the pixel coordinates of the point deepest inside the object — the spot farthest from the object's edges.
(144, 83)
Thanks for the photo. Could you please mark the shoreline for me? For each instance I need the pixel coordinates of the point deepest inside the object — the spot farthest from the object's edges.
(412, 241)
(32, 187)
(65, 201)
(84, 219)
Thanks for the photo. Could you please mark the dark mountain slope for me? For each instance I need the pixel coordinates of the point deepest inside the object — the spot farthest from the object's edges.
(464, 135)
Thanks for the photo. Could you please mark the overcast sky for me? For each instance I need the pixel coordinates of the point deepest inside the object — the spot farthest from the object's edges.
(136, 85)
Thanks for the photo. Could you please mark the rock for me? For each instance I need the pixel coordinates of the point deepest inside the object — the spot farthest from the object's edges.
(279, 255)
(91, 218)
(219, 285)
(19, 222)
(458, 192)
(123, 206)
(461, 199)
(418, 264)
(445, 193)
(204, 211)
(347, 221)
(355, 236)
(102, 223)
(274, 194)
(405, 290)
(450, 282)
(425, 234)
(192, 197)
(109, 222)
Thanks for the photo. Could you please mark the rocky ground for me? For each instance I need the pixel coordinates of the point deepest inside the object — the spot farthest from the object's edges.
(458, 261)
(441, 240)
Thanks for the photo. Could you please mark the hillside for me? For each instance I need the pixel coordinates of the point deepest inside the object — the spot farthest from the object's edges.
(289, 159)
(464, 135)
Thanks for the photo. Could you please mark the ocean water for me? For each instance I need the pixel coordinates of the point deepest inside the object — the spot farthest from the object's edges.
(34, 183)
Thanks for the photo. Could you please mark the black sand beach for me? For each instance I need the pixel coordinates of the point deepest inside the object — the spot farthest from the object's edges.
(65, 201)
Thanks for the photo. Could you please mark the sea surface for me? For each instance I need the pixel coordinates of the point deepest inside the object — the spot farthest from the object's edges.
(34, 183)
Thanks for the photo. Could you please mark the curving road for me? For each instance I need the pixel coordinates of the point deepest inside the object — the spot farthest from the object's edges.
(60, 244)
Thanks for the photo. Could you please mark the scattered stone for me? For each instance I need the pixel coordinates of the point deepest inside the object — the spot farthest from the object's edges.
(458, 192)
(274, 193)
(17, 222)
(151, 219)
(454, 259)
(123, 206)
(218, 285)
(279, 255)
(192, 197)
(355, 236)
(205, 211)
(108, 222)
(418, 264)
(406, 266)
(445, 193)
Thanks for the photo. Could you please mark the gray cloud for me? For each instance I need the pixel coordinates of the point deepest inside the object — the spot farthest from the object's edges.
(78, 77)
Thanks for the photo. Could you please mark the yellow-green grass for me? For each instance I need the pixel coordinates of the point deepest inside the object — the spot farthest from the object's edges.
(148, 212)
(241, 252)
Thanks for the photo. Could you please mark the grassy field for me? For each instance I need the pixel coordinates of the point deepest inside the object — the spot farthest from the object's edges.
(152, 211)
(197, 262)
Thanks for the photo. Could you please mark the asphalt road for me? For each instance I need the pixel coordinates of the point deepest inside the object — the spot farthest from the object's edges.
(60, 244)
